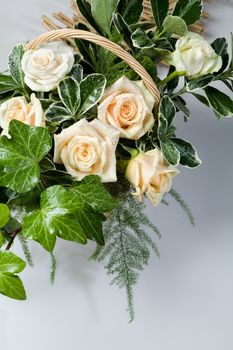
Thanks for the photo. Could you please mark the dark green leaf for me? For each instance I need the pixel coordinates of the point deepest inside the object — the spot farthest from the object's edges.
(131, 10)
(102, 11)
(220, 46)
(199, 83)
(162, 128)
(57, 114)
(189, 10)
(220, 102)
(10, 284)
(123, 29)
(4, 215)
(24, 204)
(20, 156)
(92, 89)
(188, 154)
(7, 84)
(141, 40)
(77, 72)
(160, 11)
(167, 109)
(14, 63)
(85, 9)
(69, 93)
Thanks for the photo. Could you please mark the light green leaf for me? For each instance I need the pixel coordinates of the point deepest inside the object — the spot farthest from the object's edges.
(57, 114)
(92, 89)
(102, 12)
(188, 154)
(7, 84)
(20, 156)
(53, 219)
(14, 63)
(141, 40)
(4, 215)
(220, 102)
(10, 283)
(160, 11)
(174, 25)
(92, 192)
(170, 152)
(69, 93)
(189, 10)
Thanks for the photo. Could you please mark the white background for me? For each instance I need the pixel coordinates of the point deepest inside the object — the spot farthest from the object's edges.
(184, 300)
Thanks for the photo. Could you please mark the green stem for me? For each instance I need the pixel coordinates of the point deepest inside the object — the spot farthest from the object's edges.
(170, 77)
(13, 236)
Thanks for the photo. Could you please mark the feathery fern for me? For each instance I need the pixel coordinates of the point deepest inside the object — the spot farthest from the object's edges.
(128, 245)
(53, 268)
(183, 205)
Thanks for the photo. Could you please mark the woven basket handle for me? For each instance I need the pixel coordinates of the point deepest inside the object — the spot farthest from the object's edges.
(105, 43)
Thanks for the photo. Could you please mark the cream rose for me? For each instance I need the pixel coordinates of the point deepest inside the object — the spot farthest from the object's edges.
(46, 66)
(87, 148)
(127, 106)
(195, 56)
(150, 175)
(18, 108)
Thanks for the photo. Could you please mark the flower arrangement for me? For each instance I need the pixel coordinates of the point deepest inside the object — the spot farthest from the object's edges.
(88, 131)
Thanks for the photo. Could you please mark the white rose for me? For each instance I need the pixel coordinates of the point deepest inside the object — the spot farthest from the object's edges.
(195, 56)
(47, 65)
(18, 108)
(88, 148)
(127, 106)
(150, 175)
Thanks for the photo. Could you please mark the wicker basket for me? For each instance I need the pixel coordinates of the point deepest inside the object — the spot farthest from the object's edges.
(67, 34)
(62, 19)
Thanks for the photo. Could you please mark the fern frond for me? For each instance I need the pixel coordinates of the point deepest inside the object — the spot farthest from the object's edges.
(25, 248)
(53, 268)
(127, 245)
(183, 205)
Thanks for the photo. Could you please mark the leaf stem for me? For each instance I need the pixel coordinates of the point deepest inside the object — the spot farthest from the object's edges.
(13, 236)
(170, 77)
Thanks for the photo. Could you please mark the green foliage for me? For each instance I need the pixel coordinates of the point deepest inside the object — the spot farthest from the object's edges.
(130, 10)
(15, 68)
(160, 11)
(102, 11)
(188, 154)
(92, 89)
(199, 83)
(25, 248)
(10, 283)
(123, 29)
(183, 205)
(141, 40)
(20, 156)
(69, 93)
(53, 268)
(7, 84)
(4, 215)
(85, 9)
(189, 10)
(128, 245)
(220, 102)
(173, 25)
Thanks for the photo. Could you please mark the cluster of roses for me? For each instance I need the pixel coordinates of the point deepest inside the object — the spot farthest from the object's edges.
(125, 111)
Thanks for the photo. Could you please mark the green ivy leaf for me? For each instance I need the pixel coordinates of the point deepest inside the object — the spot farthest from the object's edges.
(92, 192)
(20, 156)
(57, 114)
(4, 215)
(92, 89)
(174, 25)
(102, 11)
(220, 102)
(7, 84)
(188, 154)
(53, 219)
(10, 283)
(170, 152)
(189, 10)
(14, 63)
(141, 40)
(160, 11)
(69, 93)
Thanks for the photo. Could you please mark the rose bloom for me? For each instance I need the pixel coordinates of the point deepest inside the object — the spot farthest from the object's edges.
(47, 65)
(18, 108)
(88, 148)
(150, 175)
(195, 56)
(127, 106)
